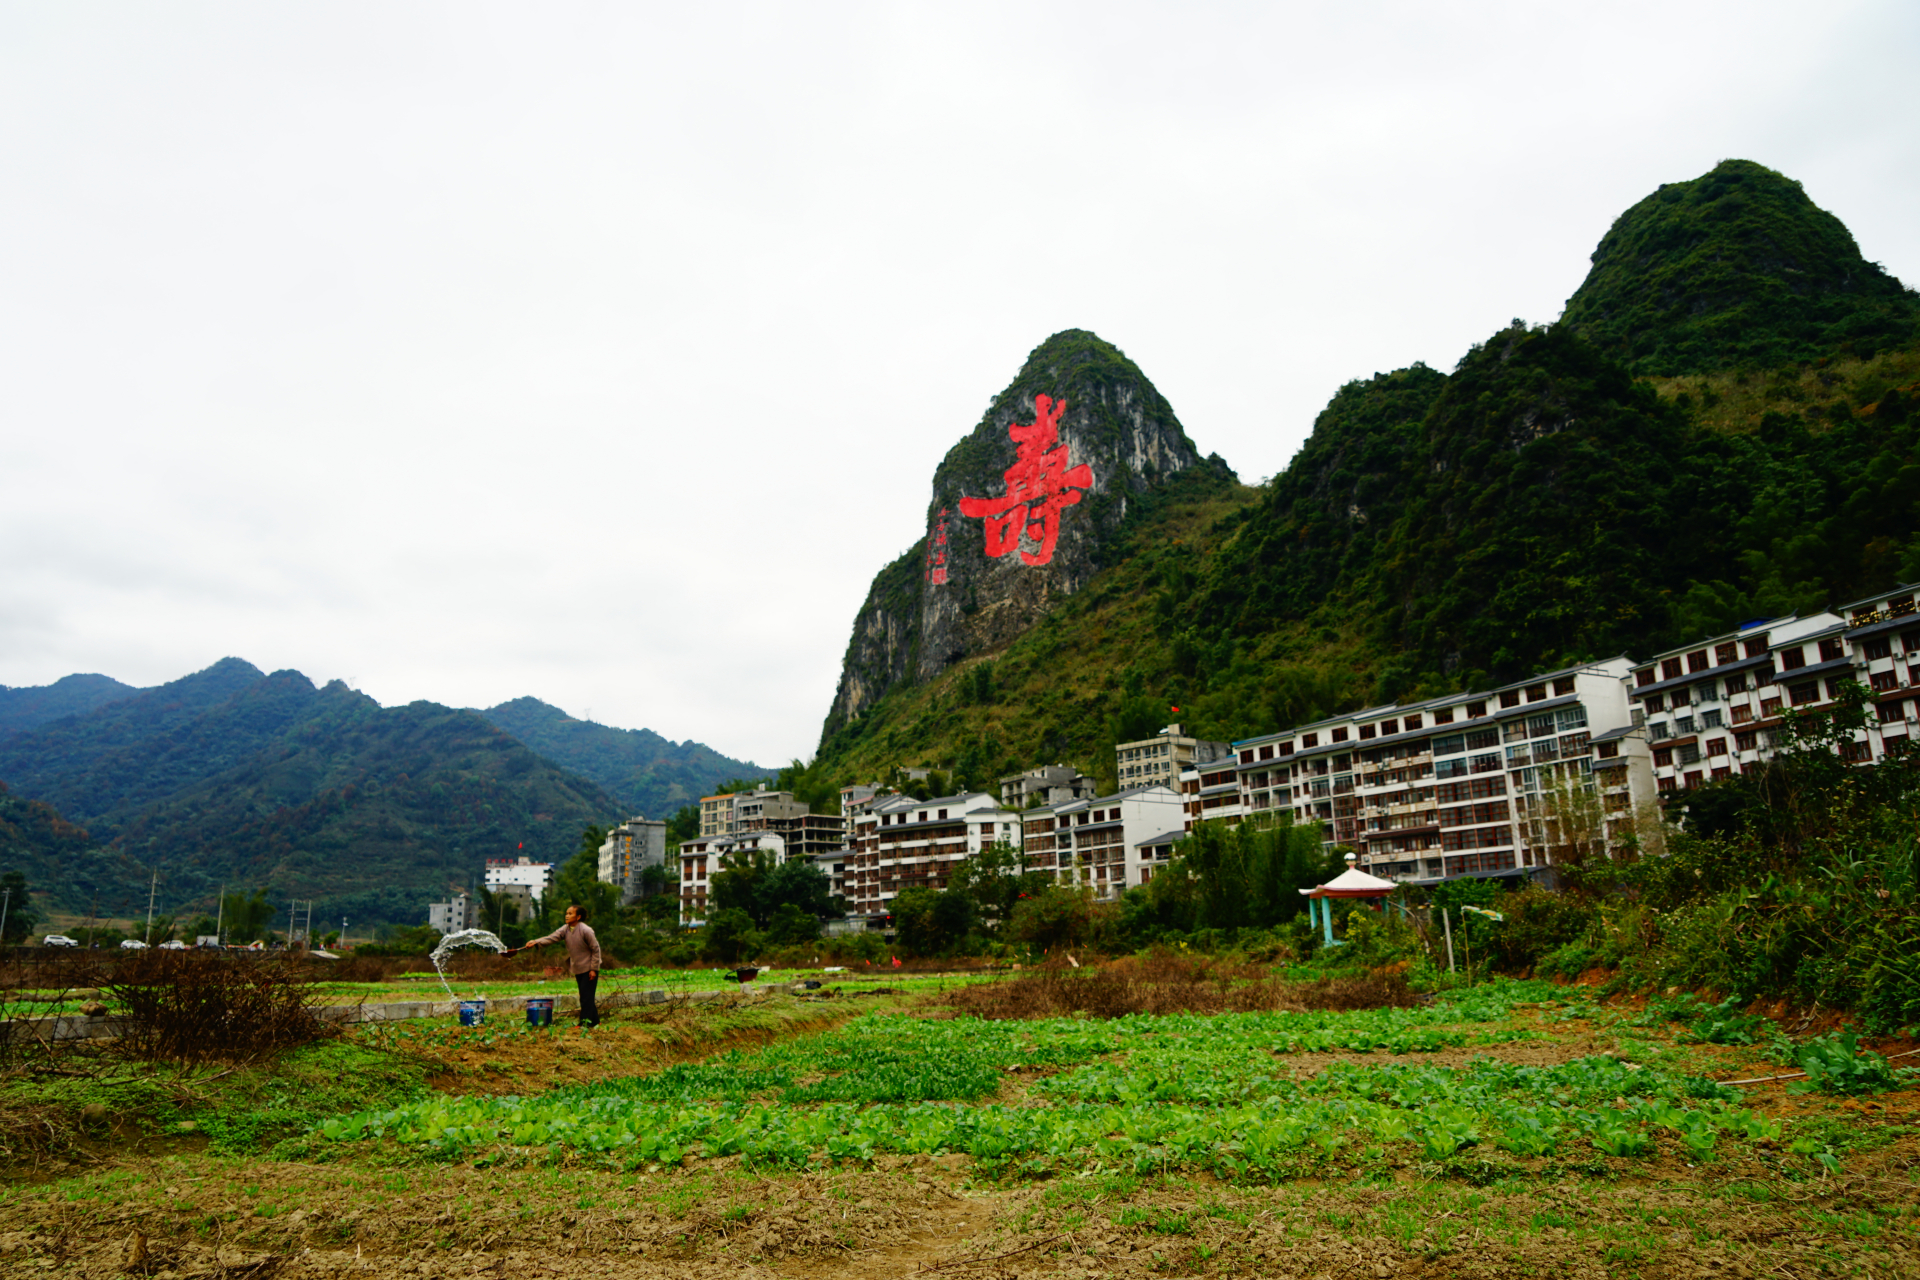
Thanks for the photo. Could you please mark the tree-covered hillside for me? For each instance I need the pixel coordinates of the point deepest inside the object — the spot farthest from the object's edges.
(645, 772)
(24, 708)
(1736, 268)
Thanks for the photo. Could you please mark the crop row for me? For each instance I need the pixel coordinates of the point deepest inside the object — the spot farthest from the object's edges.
(1228, 1140)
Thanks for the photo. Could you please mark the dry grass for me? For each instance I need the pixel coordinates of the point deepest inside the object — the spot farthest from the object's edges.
(1162, 982)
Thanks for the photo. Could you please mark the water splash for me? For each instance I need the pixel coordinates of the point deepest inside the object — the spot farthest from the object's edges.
(453, 942)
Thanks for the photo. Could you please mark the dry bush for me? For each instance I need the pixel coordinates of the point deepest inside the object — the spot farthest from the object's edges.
(193, 1006)
(1162, 982)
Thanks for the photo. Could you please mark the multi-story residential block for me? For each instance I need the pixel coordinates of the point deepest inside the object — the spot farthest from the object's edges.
(533, 876)
(1049, 784)
(1469, 784)
(1883, 635)
(1109, 842)
(736, 813)
(1711, 708)
(451, 917)
(1158, 761)
(630, 848)
(899, 842)
(703, 858)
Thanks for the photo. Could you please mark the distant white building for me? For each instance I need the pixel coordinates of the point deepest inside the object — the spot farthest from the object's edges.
(704, 858)
(1108, 842)
(451, 917)
(536, 876)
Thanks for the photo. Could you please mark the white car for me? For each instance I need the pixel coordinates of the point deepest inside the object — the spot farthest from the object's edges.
(132, 944)
(58, 940)
(173, 944)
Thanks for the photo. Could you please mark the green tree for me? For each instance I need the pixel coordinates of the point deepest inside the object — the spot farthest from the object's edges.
(932, 922)
(684, 825)
(730, 936)
(751, 881)
(578, 880)
(20, 915)
(245, 917)
(994, 880)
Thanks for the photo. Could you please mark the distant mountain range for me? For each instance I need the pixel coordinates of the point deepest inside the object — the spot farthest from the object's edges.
(233, 776)
(647, 773)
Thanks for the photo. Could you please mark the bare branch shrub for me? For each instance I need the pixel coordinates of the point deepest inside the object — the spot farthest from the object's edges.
(195, 1006)
(1162, 982)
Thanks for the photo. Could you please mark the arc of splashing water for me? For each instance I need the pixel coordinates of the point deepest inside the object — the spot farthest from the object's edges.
(453, 942)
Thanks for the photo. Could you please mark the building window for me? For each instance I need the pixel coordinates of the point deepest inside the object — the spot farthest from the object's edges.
(1662, 757)
(1884, 680)
(1801, 694)
(1694, 778)
(1510, 698)
(1742, 714)
(1793, 659)
(1748, 741)
(1756, 647)
(1659, 732)
(1769, 707)
(1710, 719)
(1697, 660)
(1536, 693)
(1736, 684)
(1831, 650)
(1656, 703)
(1339, 735)
(1879, 648)
(1725, 653)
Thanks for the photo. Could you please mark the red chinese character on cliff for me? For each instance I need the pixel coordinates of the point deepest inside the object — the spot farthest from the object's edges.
(1039, 486)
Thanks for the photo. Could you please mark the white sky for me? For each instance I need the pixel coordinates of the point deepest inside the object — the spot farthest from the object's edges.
(604, 352)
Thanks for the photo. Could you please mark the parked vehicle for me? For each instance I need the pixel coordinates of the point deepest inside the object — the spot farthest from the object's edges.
(132, 944)
(173, 944)
(59, 940)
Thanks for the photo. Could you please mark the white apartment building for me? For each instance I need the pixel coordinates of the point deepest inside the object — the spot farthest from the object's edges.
(533, 876)
(899, 842)
(1159, 760)
(1469, 784)
(1711, 708)
(1109, 842)
(702, 859)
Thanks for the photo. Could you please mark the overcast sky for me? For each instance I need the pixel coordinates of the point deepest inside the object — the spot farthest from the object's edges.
(604, 352)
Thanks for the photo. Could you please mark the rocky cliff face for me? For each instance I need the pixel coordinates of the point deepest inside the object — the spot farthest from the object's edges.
(1021, 515)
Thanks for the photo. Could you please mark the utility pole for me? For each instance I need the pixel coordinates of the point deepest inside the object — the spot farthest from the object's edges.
(151, 888)
(220, 918)
(6, 901)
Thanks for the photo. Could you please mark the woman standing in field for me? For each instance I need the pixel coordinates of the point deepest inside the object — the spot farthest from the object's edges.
(583, 957)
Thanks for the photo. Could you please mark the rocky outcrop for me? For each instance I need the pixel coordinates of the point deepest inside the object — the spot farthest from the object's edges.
(950, 596)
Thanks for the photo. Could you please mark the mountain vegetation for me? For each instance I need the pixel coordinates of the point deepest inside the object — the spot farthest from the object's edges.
(1738, 268)
(648, 774)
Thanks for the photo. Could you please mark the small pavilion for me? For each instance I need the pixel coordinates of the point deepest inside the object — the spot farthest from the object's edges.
(1351, 883)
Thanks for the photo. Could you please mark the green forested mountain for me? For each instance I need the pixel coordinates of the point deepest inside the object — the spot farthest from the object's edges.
(231, 776)
(645, 772)
(68, 696)
(1535, 506)
(1737, 267)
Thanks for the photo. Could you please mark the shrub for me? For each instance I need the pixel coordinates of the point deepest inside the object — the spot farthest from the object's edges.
(195, 1006)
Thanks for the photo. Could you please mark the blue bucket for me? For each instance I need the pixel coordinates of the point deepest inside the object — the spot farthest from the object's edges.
(540, 1011)
(473, 1012)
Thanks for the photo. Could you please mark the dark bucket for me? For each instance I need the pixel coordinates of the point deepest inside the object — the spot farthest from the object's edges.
(473, 1012)
(540, 1011)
